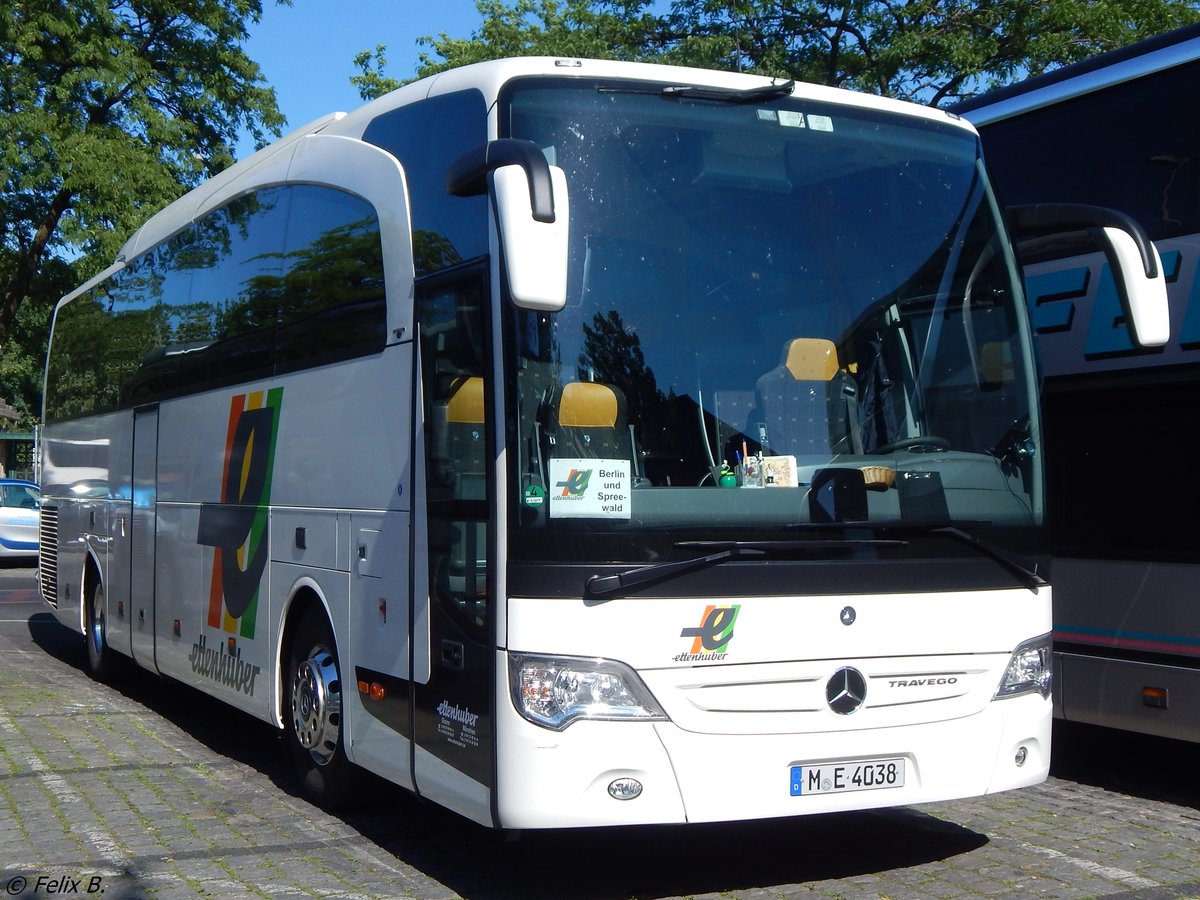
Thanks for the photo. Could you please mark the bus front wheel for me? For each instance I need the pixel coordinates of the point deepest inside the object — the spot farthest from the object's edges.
(313, 711)
(99, 655)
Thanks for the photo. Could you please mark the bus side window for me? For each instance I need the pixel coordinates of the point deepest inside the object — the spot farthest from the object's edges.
(425, 137)
(331, 300)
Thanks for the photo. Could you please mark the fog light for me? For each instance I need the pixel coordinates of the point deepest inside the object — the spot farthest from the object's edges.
(1022, 755)
(625, 789)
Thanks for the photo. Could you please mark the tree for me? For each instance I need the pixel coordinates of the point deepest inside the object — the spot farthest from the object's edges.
(23, 355)
(612, 354)
(610, 29)
(109, 109)
(928, 51)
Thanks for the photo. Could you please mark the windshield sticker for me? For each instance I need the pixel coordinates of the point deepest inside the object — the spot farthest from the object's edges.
(791, 119)
(820, 123)
(711, 638)
(590, 488)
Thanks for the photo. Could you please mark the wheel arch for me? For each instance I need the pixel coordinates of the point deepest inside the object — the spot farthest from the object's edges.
(92, 574)
(304, 594)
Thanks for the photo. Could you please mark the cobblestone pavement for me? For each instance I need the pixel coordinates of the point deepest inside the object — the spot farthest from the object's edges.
(149, 789)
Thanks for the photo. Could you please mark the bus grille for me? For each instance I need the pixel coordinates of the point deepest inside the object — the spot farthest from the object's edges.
(48, 555)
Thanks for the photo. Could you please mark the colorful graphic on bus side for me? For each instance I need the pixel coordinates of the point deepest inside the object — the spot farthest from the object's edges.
(237, 526)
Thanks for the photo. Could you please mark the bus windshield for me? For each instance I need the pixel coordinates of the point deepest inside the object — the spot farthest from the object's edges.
(779, 312)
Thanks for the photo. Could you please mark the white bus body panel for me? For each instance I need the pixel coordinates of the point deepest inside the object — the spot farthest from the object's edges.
(311, 545)
(738, 724)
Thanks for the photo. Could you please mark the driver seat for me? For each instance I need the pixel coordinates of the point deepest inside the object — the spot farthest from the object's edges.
(806, 401)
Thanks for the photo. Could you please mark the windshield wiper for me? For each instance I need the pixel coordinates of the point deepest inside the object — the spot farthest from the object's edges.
(1025, 570)
(598, 586)
(695, 92)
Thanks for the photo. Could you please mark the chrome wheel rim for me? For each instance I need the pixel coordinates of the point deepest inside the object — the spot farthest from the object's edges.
(97, 624)
(317, 705)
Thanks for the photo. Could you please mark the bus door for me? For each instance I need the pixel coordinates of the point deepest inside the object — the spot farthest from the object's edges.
(453, 726)
(138, 534)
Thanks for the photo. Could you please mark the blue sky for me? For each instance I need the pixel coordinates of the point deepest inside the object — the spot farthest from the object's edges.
(307, 50)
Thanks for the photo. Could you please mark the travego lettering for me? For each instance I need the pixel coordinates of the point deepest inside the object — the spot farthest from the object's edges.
(920, 682)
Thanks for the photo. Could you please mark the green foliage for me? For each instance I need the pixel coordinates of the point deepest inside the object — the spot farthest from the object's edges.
(608, 29)
(109, 109)
(372, 82)
(23, 355)
(592, 29)
(928, 51)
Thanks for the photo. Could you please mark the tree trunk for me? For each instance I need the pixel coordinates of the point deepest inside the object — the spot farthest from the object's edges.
(30, 261)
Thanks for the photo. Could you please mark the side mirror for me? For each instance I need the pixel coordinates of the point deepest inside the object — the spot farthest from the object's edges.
(531, 203)
(1137, 269)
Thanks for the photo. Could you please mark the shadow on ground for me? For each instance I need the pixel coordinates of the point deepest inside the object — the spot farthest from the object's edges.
(1139, 765)
(644, 862)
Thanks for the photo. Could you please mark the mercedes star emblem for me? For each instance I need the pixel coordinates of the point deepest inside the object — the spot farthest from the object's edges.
(846, 691)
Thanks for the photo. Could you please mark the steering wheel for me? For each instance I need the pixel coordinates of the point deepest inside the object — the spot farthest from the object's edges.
(925, 443)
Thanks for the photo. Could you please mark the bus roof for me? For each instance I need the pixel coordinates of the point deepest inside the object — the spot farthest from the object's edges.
(487, 77)
(1125, 64)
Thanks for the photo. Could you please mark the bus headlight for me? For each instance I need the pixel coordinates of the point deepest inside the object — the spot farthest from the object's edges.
(1029, 669)
(554, 691)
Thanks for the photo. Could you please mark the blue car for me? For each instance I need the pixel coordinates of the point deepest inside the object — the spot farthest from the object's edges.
(19, 518)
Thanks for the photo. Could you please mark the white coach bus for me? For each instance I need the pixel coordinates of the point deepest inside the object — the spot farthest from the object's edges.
(1119, 130)
(577, 443)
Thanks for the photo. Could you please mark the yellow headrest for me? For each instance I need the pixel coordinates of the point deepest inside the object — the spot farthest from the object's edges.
(466, 403)
(588, 405)
(812, 359)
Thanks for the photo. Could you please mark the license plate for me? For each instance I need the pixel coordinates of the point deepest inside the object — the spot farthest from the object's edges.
(843, 777)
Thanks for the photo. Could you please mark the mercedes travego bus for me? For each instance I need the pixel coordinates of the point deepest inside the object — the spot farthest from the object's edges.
(580, 443)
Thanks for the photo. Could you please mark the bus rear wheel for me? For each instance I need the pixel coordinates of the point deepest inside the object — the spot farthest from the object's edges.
(313, 712)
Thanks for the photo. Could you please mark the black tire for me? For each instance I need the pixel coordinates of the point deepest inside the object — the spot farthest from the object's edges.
(313, 715)
(99, 654)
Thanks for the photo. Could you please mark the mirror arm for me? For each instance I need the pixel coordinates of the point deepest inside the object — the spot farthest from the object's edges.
(467, 175)
(1056, 218)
